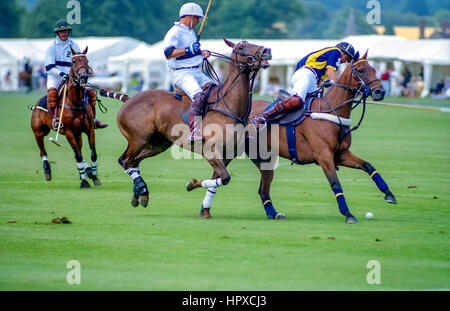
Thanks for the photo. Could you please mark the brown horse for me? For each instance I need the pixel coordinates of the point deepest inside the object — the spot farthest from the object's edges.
(324, 142)
(151, 123)
(77, 118)
(25, 79)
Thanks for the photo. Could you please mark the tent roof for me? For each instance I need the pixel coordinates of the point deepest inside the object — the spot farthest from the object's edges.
(100, 48)
(285, 52)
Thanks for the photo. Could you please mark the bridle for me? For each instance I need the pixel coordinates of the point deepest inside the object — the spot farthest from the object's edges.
(76, 78)
(362, 89)
(244, 67)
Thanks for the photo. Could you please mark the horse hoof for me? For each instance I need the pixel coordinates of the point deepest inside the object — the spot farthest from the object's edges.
(206, 213)
(390, 198)
(351, 220)
(190, 186)
(143, 200)
(85, 185)
(48, 177)
(97, 182)
(280, 216)
(134, 201)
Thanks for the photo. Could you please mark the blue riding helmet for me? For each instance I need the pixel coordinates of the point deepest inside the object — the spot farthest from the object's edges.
(347, 48)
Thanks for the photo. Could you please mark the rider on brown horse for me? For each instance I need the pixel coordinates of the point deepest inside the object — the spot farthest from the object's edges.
(310, 70)
(58, 59)
(182, 50)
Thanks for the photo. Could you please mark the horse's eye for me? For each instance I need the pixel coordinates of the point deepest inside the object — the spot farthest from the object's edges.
(241, 47)
(361, 70)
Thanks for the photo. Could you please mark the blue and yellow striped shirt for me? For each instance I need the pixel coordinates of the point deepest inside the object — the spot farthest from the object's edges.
(321, 60)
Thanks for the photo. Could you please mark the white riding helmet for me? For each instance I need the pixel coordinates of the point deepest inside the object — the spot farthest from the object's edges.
(192, 9)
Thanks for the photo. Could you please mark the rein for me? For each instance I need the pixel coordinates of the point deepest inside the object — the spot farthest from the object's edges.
(242, 66)
(363, 90)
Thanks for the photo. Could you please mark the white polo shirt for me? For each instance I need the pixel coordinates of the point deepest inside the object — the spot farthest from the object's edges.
(179, 37)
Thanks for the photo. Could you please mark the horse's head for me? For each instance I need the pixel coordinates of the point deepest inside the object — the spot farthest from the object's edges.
(250, 55)
(80, 70)
(364, 76)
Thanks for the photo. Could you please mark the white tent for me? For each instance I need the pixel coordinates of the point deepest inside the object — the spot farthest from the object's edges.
(99, 49)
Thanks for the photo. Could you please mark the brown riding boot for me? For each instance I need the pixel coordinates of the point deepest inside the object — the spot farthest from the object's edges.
(92, 96)
(52, 102)
(278, 111)
(195, 117)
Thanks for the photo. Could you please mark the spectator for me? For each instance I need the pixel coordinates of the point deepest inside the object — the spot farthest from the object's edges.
(439, 87)
(406, 77)
(396, 82)
(7, 80)
(42, 78)
(385, 76)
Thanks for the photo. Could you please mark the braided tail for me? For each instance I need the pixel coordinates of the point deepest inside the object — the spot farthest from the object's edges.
(121, 97)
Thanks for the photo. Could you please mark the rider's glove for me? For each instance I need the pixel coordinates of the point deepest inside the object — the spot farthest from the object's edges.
(193, 49)
(328, 83)
(65, 76)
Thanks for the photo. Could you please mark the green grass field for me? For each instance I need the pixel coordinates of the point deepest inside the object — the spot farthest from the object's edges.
(166, 247)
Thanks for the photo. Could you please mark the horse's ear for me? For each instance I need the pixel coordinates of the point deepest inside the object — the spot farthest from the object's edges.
(365, 54)
(85, 50)
(72, 50)
(229, 43)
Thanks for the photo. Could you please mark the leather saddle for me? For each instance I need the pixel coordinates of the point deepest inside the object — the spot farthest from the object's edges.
(186, 101)
(295, 116)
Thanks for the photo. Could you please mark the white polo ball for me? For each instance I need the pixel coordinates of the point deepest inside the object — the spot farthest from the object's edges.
(369, 215)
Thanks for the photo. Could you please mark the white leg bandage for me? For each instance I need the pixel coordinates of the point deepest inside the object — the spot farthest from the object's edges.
(82, 169)
(94, 168)
(212, 183)
(133, 172)
(209, 197)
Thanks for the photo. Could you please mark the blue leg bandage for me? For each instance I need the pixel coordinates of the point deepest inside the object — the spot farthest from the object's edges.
(343, 208)
(379, 181)
(268, 206)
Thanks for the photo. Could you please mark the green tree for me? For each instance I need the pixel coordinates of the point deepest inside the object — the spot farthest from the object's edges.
(253, 18)
(11, 17)
(339, 20)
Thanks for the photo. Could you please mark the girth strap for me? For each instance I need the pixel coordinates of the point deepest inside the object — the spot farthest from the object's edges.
(292, 143)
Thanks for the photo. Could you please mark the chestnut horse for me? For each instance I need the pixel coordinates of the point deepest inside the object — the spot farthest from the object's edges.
(149, 122)
(327, 143)
(77, 118)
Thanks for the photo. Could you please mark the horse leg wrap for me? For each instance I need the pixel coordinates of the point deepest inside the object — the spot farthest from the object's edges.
(268, 206)
(376, 177)
(209, 197)
(343, 208)
(133, 172)
(139, 187)
(46, 165)
(212, 183)
(82, 169)
(94, 166)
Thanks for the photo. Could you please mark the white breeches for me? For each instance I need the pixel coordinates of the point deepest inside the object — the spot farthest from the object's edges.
(303, 82)
(191, 80)
(53, 81)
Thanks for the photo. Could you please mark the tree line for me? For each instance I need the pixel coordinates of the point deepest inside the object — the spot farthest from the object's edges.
(264, 19)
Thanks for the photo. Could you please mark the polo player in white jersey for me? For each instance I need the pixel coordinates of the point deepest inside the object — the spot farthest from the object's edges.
(182, 50)
(58, 60)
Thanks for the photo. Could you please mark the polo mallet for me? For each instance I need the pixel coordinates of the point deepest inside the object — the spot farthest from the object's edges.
(55, 140)
(203, 21)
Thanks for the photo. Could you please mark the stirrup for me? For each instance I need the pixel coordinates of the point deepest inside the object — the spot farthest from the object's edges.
(261, 125)
(55, 123)
(194, 138)
(99, 125)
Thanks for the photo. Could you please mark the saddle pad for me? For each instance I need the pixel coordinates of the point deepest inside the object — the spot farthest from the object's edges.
(295, 117)
(43, 102)
(184, 113)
